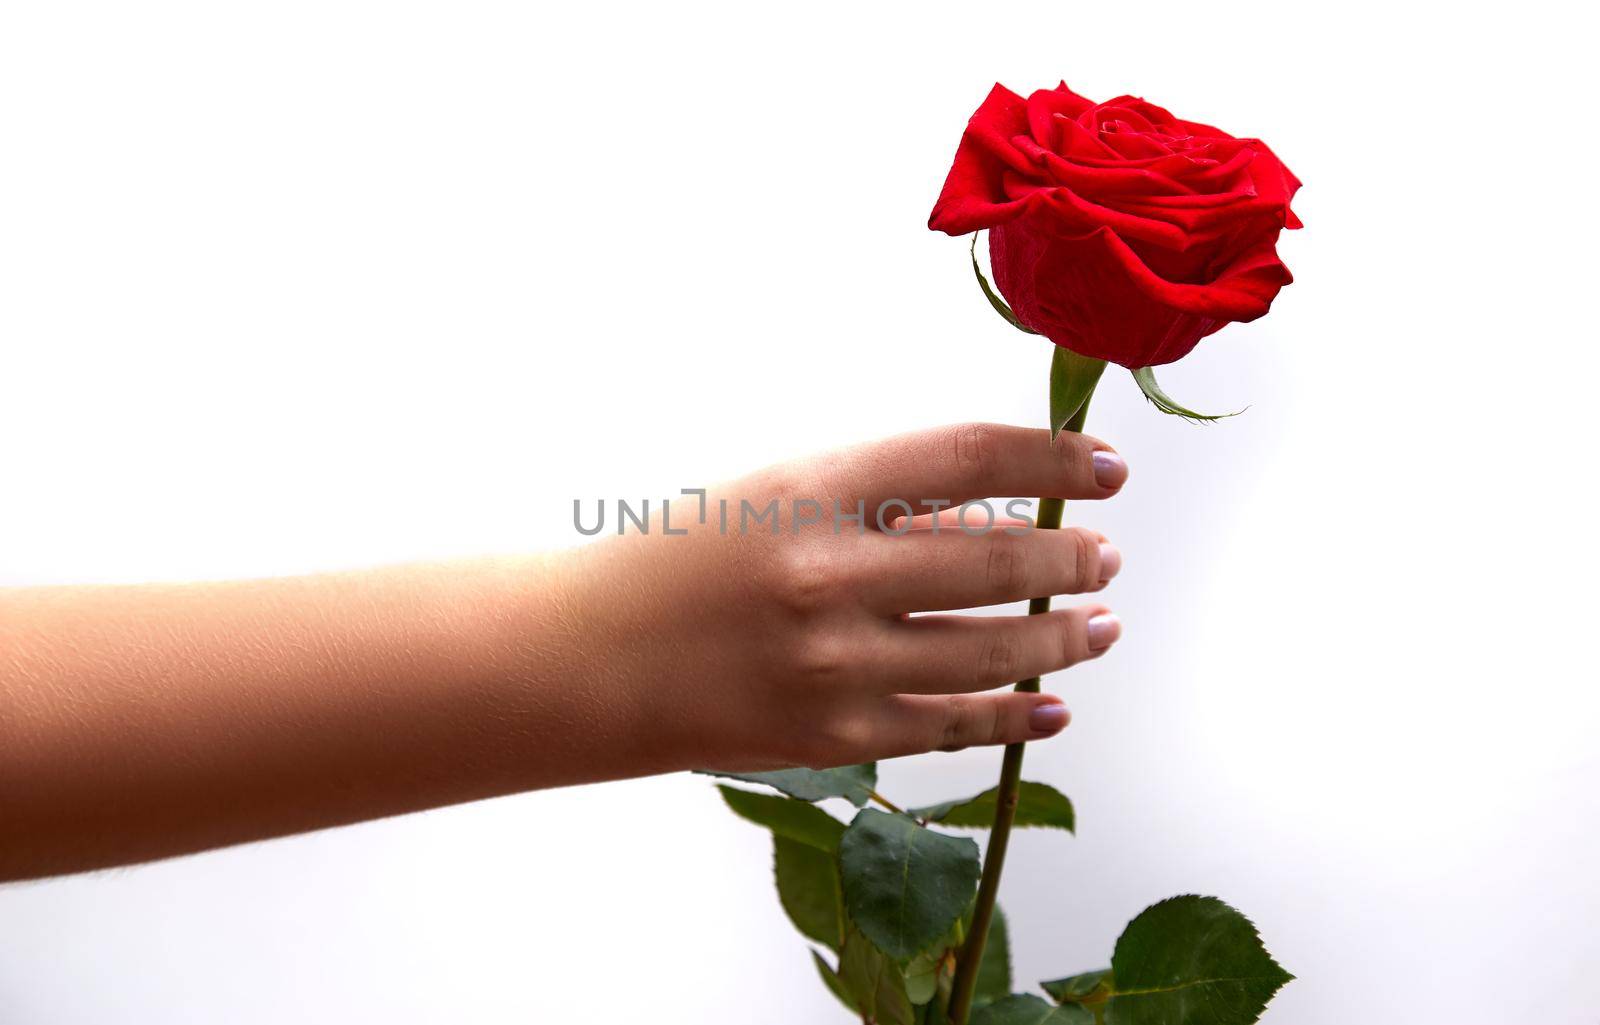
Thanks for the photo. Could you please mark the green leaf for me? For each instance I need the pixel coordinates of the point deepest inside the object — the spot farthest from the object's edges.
(1038, 804)
(1191, 961)
(1072, 381)
(835, 984)
(904, 884)
(854, 783)
(1145, 377)
(1079, 988)
(874, 983)
(1027, 1009)
(994, 970)
(797, 820)
(998, 303)
(809, 890)
(922, 974)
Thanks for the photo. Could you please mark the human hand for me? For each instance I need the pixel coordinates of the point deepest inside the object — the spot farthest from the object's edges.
(751, 644)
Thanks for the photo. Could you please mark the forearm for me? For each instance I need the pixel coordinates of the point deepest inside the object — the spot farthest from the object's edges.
(141, 722)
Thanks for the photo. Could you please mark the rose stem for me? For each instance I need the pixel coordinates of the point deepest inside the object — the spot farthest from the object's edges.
(885, 802)
(1005, 806)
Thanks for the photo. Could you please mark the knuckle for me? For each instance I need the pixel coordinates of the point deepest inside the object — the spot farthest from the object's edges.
(1086, 559)
(1007, 567)
(956, 728)
(994, 722)
(821, 656)
(975, 451)
(968, 721)
(807, 579)
(1075, 451)
(1000, 658)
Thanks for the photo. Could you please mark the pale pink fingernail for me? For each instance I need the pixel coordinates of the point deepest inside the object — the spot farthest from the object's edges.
(1104, 630)
(1048, 719)
(1109, 469)
(1110, 562)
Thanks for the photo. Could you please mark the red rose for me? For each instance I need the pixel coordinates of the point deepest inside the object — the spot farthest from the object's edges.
(1117, 230)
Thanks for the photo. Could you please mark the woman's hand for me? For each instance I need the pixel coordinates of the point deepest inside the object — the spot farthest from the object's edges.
(754, 644)
(142, 722)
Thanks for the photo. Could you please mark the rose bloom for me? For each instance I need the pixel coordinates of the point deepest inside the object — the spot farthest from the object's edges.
(1117, 230)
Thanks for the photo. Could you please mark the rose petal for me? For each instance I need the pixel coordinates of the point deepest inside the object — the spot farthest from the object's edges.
(1047, 108)
(974, 195)
(1094, 295)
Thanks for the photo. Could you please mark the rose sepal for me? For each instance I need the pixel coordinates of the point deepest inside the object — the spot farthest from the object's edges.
(1145, 378)
(1072, 381)
(990, 294)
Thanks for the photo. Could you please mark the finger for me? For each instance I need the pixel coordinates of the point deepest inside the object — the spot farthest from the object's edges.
(953, 654)
(972, 461)
(912, 724)
(922, 571)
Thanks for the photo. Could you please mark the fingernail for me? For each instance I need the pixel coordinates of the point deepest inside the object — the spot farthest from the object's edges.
(1110, 562)
(1047, 719)
(1104, 630)
(1109, 469)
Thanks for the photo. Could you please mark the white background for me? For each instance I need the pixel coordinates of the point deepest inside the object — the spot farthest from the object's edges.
(306, 285)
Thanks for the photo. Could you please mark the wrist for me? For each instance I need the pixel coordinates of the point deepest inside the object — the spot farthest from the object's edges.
(596, 675)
